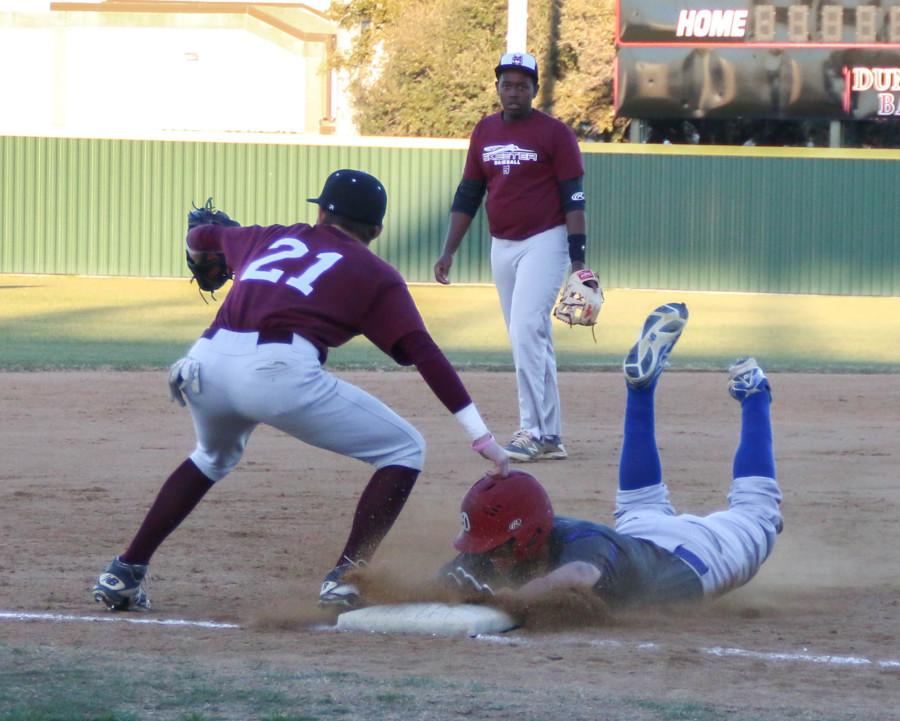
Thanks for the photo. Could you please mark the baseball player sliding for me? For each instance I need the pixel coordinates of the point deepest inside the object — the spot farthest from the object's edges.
(261, 361)
(530, 166)
(653, 555)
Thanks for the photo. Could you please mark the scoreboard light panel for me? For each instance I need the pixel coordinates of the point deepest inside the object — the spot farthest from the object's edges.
(843, 24)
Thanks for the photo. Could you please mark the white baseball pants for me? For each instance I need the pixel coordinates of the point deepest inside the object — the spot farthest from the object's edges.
(725, 548)
(284, 386)
(529, 274)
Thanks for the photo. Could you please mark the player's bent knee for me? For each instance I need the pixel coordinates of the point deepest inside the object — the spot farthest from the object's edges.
(215, 466)
(410, 453)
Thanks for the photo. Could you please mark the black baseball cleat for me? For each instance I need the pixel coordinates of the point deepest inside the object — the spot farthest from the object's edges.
(121, 586)
(338, 593)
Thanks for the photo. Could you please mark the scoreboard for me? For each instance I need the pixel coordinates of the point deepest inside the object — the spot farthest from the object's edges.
(836, 59)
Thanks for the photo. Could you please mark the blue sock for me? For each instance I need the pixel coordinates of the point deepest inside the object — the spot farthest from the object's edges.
(639, 464)
(754, 455)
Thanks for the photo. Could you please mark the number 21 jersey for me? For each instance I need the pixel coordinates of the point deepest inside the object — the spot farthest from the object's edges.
(315, 281)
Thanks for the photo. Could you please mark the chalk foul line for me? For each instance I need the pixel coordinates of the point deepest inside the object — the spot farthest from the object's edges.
(112, 618)
(806, 657)
(799, 657)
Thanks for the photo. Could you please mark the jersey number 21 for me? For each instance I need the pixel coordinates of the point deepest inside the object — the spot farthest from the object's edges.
(295, 249)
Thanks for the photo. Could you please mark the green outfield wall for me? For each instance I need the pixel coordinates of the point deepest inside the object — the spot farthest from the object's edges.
(667, 217)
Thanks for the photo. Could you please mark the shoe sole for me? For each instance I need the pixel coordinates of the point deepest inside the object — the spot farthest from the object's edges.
(739, 369)
(117, 604)
(518, 454)
(338, 594)
(534, 459)
(336, 604)
(339, 603)
(100, 597)
(521, 458)
(661, 332)
(554, 456)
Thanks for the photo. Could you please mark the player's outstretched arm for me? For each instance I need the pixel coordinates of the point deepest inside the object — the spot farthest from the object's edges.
(488, 448)
(419, 349)
(579, 574)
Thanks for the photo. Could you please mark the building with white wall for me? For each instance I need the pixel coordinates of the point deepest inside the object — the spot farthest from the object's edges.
(169, 66)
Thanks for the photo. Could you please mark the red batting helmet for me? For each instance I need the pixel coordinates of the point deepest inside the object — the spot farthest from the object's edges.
(496, 510)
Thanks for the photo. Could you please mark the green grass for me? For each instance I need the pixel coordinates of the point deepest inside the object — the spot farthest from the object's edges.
(64, 322)
(62, 683)
(681, 711)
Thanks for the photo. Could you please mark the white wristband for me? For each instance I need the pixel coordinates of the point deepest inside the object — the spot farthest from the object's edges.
(470, 419)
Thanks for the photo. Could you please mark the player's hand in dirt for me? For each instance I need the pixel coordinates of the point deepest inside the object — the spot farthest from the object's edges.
(468, 584)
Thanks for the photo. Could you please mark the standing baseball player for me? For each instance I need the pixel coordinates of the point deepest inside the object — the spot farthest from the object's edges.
(531, 168)
(653, 555)
(298, 291)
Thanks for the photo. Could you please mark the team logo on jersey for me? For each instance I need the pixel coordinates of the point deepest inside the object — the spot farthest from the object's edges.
(514, 524)
(507, 155)
(466, 524)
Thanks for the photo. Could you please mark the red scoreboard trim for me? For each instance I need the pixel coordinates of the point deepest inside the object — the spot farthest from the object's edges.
(754, 44)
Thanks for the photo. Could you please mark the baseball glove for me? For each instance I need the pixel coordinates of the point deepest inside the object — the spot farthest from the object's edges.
(579, 303)
(208, 215)
(468, 585)
(208, 267)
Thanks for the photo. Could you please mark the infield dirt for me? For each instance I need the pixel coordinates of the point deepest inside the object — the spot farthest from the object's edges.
(85, 453)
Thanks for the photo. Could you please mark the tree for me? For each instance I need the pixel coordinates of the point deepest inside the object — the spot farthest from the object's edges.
(575, 42)
(425, 67)
(422, 67)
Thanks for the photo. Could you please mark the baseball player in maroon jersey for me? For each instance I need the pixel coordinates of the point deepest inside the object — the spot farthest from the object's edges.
(261, 361)
(530, 166)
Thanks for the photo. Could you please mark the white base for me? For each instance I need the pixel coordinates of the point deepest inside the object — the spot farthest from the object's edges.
(438, 619)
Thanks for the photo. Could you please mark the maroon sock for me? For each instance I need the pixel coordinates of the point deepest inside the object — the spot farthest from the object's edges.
(179, 495)
(379, 505)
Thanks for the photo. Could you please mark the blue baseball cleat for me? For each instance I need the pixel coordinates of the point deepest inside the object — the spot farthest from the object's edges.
(745, 378)
(336, 591)
(121, 586)
(661, 331)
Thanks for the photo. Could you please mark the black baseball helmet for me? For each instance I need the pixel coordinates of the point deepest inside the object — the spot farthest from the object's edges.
(353, 194)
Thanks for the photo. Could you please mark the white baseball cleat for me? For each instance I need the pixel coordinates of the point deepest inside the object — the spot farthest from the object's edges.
(661, 331)
(745, 378)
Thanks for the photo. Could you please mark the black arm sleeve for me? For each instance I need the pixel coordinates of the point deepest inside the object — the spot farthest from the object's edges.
(469, 195)
(572, 194)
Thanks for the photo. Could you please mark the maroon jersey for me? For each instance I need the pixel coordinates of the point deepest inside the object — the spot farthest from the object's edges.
(311, 280)
(522, 163)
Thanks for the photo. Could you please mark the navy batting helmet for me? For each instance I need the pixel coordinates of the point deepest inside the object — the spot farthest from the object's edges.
(497, 510)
